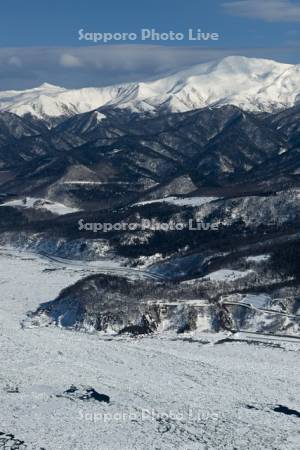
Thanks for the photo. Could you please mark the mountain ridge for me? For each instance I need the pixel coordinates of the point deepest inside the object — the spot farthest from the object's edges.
(257, 85)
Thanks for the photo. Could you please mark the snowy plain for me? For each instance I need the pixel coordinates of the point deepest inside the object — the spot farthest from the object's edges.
(197, 391)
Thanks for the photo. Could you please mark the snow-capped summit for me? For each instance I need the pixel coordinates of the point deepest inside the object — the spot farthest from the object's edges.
(249, 83)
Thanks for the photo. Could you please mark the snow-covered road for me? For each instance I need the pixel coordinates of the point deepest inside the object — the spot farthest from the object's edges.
(166, 392)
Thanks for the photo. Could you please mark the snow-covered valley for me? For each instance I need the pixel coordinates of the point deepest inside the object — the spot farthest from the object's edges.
(191, 391)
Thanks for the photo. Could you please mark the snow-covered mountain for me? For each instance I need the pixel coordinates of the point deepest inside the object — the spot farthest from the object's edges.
(251, 84)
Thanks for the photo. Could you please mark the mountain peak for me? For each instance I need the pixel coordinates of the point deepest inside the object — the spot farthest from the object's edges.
(48, 86)
(250, 83)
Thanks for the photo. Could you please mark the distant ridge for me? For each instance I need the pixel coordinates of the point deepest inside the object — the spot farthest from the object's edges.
(252, 84)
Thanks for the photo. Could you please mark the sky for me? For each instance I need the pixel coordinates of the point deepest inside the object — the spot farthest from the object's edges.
(39, 40)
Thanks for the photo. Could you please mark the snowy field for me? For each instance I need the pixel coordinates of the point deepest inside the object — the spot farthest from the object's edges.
(199, 392)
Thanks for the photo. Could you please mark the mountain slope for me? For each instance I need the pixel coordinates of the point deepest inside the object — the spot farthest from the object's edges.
(251, 84)
(128, 157)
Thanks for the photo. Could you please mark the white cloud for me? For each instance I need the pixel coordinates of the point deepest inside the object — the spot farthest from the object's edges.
(268, 10)
(15, 61)
(105, 65)
(68, 60)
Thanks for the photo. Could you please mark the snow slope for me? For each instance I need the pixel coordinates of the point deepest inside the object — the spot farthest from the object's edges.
(200, 392)
(252, 84)
(226, 275)
(40, 203)
(181, 201)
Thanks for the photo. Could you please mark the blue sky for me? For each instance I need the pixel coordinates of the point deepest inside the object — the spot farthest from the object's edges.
(39, 39)
(55, 22)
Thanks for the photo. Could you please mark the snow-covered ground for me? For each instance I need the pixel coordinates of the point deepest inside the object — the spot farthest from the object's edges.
(103, 264)
(198, 391)
(95, 182)
(41, 203)
(257, 300)
(258, 258)
(180, 201)
(226, 275)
